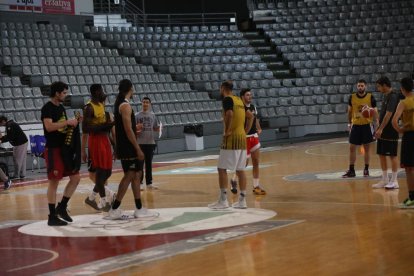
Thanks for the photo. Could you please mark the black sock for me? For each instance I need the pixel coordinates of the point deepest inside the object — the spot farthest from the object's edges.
(116, 204)
(64, 202)
(138, 203)
(411, 195)
(52, 209)
(95, 189)
(366, 166)
(352, 167)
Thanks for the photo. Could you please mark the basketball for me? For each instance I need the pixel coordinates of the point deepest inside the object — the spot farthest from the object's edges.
(368, 112)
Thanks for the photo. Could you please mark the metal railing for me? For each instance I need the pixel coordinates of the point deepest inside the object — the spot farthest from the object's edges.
(182, 19)
(138, 17)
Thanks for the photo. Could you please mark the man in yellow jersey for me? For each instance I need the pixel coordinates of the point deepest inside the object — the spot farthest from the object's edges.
(96, 127)
(360, 128)
(233, 147)
(406, 109)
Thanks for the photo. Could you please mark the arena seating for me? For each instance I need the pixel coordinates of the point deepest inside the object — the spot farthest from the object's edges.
(330, 44)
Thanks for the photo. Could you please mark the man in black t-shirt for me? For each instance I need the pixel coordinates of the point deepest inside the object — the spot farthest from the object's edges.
(252, 144)
(387, 136)
(55, 126)
(18, 139)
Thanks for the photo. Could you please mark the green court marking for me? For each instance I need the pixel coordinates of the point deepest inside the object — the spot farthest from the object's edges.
(186, 218)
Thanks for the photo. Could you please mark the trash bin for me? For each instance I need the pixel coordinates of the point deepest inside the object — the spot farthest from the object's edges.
(194, 137)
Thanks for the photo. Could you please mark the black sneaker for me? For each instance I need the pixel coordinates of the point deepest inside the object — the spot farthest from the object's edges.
(55, 221)
(63, 213)
(349, 173)
(233, 188)
(7, 184)
(366, 172)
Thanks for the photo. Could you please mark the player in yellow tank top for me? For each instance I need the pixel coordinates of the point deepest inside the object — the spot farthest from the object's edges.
(96, 126)
(237, 137)
(233, 148)
(360, 128)
(405, 110)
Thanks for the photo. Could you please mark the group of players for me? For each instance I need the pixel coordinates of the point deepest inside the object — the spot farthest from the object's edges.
(100, 131)
(131, 135)
(240, 141)
(385, 128)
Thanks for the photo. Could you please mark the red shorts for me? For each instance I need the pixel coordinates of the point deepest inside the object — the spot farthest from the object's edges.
(100, 152)
(54, 164)
(253, 143)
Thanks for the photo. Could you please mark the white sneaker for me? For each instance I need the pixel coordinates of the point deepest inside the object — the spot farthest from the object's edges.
(221, 204)
(144, 213)
(152, 187)
(392, 185)
(116, 214)
(379, 185)
(142, 187)
(241, 203)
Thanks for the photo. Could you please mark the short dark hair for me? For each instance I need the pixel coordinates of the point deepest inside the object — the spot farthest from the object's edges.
(146, 98)
(407, 84)
(3, 118)
(362, 81)
(95, 88)
(244, 91)
(228, 85)
(57, 87)
(384, 81)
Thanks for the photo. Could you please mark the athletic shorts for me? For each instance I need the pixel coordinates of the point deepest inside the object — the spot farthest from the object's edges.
(54, 164)
(100, 152)
(407, 150)
(387, 147)
(132, 165)
(252, 143)
(361, 134)
(234, 160)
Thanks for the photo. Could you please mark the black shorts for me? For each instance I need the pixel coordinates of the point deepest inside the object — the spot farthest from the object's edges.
(361, 134)
(387, 147)
(132, 165)
(407, 150)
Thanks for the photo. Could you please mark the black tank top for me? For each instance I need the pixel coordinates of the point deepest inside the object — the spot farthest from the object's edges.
(124, 148)
(253, 109)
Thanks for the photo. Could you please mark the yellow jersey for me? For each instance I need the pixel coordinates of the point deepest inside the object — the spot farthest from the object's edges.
(357, 103)
(408, 113)
(237, 139)
(99, 116)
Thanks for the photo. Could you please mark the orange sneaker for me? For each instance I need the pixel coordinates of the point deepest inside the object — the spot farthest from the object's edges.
(259, 191)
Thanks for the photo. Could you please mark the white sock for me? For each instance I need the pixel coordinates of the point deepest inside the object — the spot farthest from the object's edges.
(93, 195)
(385, 176)
(256, 182)
(242, 193)
(102, 202)
(223, 195)
(108, 191)
(394, 176)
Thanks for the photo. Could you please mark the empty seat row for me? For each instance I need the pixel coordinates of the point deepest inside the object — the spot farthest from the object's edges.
(41, 35)
(166, 29)
(52, 43)
(171, 45)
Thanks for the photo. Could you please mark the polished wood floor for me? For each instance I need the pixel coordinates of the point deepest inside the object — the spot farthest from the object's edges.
(347, 227)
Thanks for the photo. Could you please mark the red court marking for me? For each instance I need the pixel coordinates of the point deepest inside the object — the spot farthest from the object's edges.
(74, 251)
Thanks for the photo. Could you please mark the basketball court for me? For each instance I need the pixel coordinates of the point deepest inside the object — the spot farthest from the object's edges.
(311, 222)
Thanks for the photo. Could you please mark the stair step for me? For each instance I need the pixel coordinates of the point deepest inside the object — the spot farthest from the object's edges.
(272, 57)
(251, 34)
